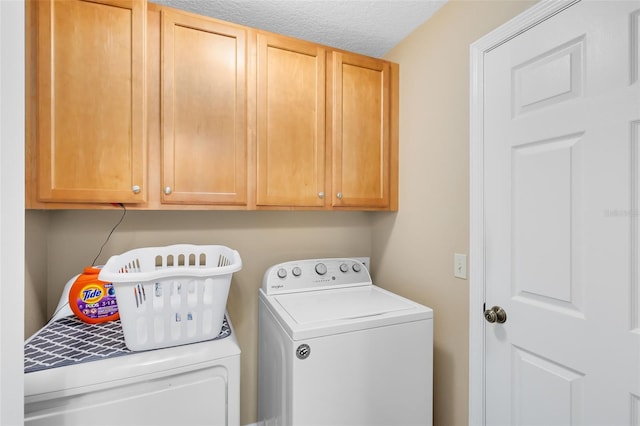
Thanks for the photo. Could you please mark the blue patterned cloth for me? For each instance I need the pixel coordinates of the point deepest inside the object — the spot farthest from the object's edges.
(71, 341)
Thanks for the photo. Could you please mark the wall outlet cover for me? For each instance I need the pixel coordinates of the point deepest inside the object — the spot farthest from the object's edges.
(460, 266)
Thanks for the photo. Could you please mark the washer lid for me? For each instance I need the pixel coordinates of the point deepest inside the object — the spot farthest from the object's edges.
(350, 303)
(321, 313)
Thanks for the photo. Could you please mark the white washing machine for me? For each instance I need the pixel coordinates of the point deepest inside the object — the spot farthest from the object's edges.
(334, 349)
(82, 374)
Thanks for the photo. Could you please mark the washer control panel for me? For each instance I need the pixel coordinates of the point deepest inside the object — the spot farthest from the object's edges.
(314, 274)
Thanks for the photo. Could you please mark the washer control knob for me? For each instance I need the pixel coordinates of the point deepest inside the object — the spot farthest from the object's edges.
(296, 271)
(321, 269)
(356, 267)
(282, 273)
(344, 267)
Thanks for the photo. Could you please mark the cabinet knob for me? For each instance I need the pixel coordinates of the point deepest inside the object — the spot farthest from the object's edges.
(135, 189)
(167, 190)
(339, 195)
(320, 194)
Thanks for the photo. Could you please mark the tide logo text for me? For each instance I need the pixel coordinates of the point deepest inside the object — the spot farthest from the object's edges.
(92, 294)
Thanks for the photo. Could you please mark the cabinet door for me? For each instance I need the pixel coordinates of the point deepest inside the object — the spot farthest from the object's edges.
(90, 85)
(203, 117)
(361, 151)
(291, 123)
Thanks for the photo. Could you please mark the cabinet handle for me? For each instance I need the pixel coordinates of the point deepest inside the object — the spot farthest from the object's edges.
(135, 189)
(320, 194)
(339, 195)
(167, 190)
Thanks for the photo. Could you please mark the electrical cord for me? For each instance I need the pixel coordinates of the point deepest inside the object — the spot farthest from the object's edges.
(124, 212)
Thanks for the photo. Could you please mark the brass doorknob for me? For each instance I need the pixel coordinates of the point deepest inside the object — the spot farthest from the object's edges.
(495, 314)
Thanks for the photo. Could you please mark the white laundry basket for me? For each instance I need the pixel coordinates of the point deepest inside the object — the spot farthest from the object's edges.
(173, 295)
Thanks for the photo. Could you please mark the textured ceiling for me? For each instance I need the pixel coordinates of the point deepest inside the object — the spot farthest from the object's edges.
(369, 27)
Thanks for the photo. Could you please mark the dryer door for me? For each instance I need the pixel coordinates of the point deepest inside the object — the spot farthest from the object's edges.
(194, 397)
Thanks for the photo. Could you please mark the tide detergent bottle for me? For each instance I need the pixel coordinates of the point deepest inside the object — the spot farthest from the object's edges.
(92, 300)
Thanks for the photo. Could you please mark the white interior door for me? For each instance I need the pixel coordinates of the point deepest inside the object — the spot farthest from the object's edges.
(561, 197)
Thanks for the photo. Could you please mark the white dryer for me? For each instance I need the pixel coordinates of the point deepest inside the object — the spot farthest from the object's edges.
(83, 374)
(334, 349)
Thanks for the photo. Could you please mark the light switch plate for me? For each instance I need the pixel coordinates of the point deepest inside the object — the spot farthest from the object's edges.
(460, 266)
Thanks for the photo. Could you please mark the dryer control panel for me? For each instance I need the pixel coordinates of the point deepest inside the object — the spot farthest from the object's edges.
(315, 274)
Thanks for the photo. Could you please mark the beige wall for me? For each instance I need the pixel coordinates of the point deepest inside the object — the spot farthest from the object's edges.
(35, 289)
(413, 249)
(62, 243)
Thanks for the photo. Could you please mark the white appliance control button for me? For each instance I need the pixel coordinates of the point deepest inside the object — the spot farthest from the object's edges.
(344, 267)
(321, 269)
(282, 273)
(296, 271)
(357, 267)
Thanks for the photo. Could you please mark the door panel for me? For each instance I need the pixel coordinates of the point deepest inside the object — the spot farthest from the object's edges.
(203, 111)
(544, 392)
(552, 77)
(542, 214)
(635, 232)
(635, 47)
(90, 77)
(361, 131)
(291, 123)
(561, 205)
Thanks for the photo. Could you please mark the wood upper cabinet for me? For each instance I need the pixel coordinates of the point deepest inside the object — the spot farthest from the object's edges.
(90, 69)
(364, 144)
(164, 109)
(203, 115)
(290, 151)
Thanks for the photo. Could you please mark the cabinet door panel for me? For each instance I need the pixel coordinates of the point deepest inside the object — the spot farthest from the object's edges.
(90, 76)
(291, 121)
(203, 111)
(361, 135)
